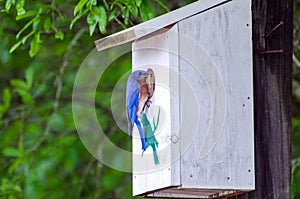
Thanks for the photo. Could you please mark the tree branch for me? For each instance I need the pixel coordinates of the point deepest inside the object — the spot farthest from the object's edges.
(59, 84)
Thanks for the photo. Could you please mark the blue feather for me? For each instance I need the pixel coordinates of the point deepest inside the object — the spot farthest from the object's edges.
(132, 101)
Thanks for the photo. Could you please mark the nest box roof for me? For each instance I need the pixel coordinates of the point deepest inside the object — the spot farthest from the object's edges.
(156, 24)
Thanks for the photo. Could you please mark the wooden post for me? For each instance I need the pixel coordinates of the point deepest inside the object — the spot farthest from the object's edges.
(272, 46)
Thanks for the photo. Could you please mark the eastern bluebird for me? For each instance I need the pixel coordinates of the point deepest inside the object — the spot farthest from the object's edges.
(137, 95)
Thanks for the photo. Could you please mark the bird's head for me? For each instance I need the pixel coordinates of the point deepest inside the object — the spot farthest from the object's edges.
(140, 75)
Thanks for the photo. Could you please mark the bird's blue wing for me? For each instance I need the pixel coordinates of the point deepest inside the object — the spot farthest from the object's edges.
(132, 100)
(142, 134)
(132, 97)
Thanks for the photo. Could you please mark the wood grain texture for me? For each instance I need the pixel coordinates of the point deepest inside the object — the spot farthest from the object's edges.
(273, 92)
(218, 67)
(211, 57)
(174, 103)
(216, 103)
(154, 52)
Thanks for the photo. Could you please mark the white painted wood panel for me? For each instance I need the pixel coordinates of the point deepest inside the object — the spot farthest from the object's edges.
(153, 52)
(221, 155)
(174, 104)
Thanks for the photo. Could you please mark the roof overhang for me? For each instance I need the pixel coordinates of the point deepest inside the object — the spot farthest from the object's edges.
(156, 24)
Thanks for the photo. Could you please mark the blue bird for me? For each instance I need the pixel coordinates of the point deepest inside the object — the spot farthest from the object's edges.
(137, 95)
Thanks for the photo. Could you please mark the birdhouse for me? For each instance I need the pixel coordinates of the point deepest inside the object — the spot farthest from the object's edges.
(201, 112)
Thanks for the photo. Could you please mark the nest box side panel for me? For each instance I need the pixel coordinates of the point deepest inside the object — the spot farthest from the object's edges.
(216, 98)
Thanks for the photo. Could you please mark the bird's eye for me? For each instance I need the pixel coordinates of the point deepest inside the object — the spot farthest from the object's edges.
(140, 73)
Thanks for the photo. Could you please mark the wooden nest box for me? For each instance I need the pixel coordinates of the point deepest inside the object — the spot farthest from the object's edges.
(201, 55)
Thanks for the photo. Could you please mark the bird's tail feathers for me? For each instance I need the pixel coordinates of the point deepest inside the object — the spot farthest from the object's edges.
(142, 135)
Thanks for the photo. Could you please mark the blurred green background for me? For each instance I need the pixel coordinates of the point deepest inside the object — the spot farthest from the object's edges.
(42, 45)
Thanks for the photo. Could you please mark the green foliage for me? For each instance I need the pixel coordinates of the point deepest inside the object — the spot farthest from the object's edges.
(41, 18)
(42, 46)
(6, 102)
(22, 88)
(146, 10)
(296, 106)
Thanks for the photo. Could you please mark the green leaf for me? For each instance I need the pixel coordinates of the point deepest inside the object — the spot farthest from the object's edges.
(93, 2)
(100, 17)
(89, 5)
(6, 101)
(112, 14)
(27, 25)
(8, 4)
(36, 23)
(146, 10)
(21, 145)
(92, 22)
(102, 20)
(132, 8)
(24, 39)
(95, 11)
(138, 2)
(293, 187)
(11, 152)
(29, 74)
(35, 45)
(6, 98)
(25, 96)
(77, 17)
(20, 84)
(47, 24)
(14, 165)
(126, 15)
(79, 6)
(20, 7)
(296, 164)
(14, 47)
(27, 14)
(112, 5)
(59, 35)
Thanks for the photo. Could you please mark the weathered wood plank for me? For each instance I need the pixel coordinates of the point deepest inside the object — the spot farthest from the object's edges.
(193, 193)
(157, 23)
(154, 52)
(272, 102)
(219, 70)
(174, 104)
(216, 107)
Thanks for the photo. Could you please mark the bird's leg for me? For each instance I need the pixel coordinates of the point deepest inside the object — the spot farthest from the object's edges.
(147, 104)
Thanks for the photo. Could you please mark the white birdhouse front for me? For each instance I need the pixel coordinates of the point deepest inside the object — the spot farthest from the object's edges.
(198, 121)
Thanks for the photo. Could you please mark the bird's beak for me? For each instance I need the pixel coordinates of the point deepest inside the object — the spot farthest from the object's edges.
(145, 75)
